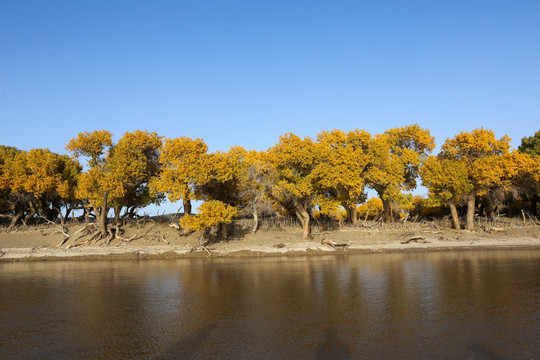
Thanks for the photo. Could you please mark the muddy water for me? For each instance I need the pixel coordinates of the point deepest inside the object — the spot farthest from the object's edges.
(452, 305)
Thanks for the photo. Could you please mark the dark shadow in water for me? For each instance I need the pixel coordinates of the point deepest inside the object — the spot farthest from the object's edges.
(482, 353)
(187, 347)
(332, 347)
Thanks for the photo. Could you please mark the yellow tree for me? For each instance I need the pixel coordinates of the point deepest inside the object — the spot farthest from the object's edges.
(448, 183)
(134, 160)
(182, 161)
(12, 204)
(212, 214)
(293, 161)
(114, 171)
(97, 183)
(481, 154)
(339, 175)
(395, 158)
(39, 181)
(221, 179)
(531, 146)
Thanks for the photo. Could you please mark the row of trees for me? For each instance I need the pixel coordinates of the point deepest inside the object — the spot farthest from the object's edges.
(296, 176)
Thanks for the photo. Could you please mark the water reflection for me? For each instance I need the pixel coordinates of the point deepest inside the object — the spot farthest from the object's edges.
(332, 347)
(470, 305)
(186, 348)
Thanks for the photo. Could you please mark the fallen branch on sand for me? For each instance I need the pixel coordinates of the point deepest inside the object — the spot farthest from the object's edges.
(417, 239)
(334, 244)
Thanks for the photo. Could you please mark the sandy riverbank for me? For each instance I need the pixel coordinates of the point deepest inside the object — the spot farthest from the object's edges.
(157, 240)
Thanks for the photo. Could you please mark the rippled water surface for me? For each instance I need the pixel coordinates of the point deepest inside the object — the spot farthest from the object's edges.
(462, 305)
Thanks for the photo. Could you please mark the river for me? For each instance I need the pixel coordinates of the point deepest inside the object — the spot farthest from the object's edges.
(442, 305)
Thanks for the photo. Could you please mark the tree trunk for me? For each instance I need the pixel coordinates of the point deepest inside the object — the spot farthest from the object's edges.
(187, 211)
(224, 231)
(32, 211)
(187, 207)
(117, 210)
(68, 212)
(351, 214)
(489, 207)
(303, 216)
(103, 215)
(61, 216)
(388, 210)
(255, 219)
(470, 213)
(455, 217)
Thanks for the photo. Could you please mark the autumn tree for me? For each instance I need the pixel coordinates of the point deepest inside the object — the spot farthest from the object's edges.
(182, 160)
(339, 174)
(448, 182)
(527, 177)
(395, 157)
(531, 146)
(222, 178)
(212, 214)
(134, 160)
(115, 172)
(37, 182)
(10, 207)
(293, 161)
(481, 154)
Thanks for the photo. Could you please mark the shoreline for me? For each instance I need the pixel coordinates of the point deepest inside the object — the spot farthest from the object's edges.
(290, 250)
(156, 240)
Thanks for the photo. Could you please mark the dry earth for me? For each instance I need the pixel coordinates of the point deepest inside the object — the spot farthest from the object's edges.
(158, 240)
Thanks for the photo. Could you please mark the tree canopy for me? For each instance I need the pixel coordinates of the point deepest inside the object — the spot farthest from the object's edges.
(329, 176)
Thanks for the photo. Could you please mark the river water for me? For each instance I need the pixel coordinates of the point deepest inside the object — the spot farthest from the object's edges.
(447, 305)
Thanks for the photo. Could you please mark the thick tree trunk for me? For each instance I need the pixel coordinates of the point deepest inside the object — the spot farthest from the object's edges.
(117, 210)
(388, 210)
(187, 207)
(470, 213)
(224, 231)
(187, 211)
(351, 214)
(455, 217)
(489, 207)
(303, 216)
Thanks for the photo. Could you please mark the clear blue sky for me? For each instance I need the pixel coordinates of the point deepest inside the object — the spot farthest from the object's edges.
(244, 72)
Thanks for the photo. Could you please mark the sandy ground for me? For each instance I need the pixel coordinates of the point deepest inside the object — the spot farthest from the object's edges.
(158, 240)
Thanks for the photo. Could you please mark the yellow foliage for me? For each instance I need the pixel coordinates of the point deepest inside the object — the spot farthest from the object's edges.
(339, 174)
(183, 160)
(39, 172)
(293, 160)
(122, 170)
(92, 145)
(395, 158)
(446, 179)
(211, 213)
(372, 208)
(487, 160)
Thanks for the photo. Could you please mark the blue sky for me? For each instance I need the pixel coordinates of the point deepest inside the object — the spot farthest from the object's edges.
(245, 72)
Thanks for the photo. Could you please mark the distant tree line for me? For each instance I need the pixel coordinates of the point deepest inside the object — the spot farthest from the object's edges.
(302, 177)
